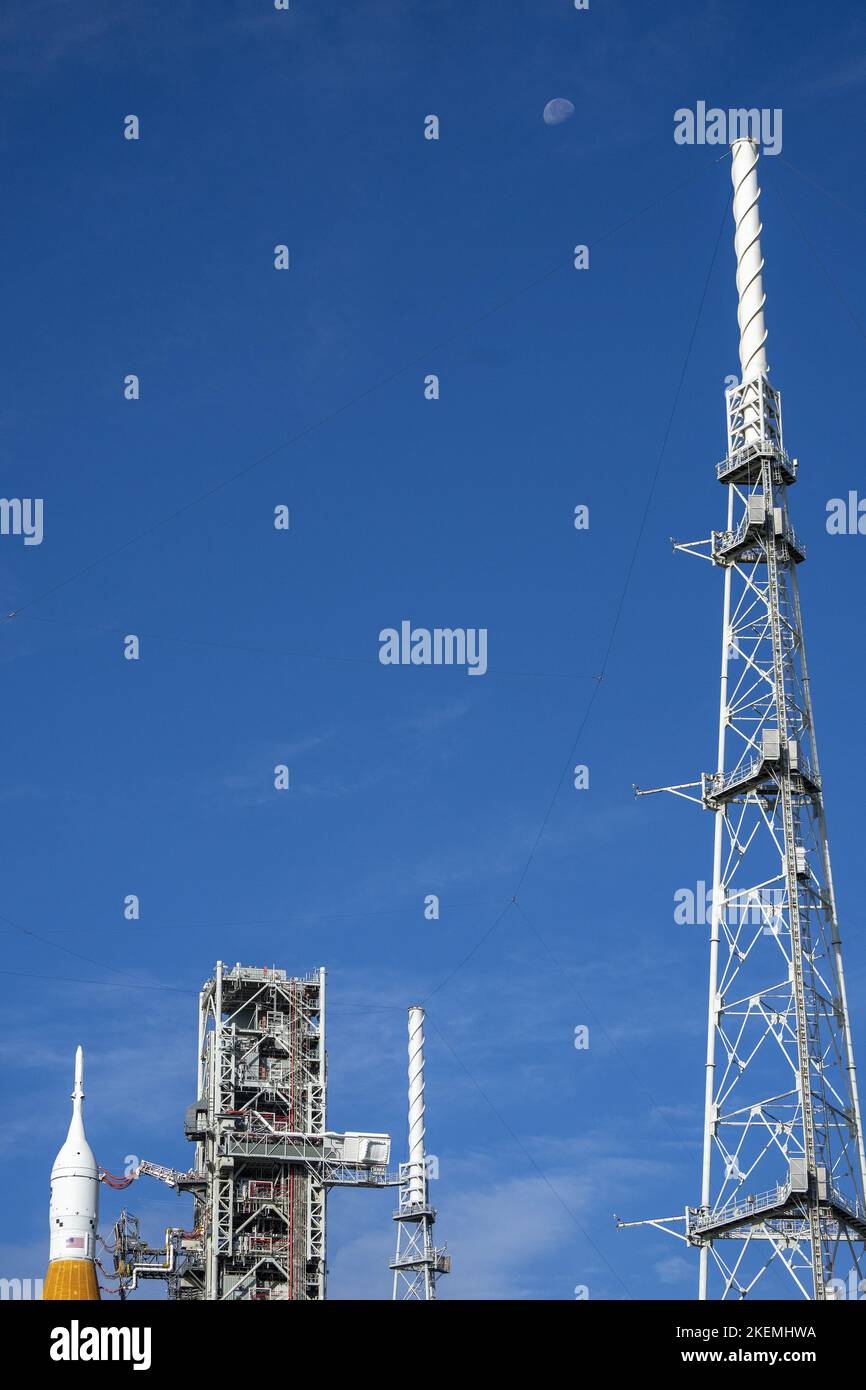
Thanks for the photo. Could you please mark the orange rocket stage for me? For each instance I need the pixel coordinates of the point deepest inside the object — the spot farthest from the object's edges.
(72, 1280)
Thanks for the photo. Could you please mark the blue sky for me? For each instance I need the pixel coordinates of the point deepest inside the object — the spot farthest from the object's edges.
(260, 647)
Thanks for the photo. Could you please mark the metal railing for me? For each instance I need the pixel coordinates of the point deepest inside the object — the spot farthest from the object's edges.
(750, 1206)
(751, 453)
(762, 1202)
(730, 540)
(720, 782)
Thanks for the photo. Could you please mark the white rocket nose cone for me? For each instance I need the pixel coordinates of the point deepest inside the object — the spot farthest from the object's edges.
(76, 1152)
(74, 1209)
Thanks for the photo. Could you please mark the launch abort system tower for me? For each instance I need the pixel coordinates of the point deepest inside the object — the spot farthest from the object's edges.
(782, 1186)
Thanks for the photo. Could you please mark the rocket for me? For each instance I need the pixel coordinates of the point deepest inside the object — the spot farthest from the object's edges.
(74, 1210)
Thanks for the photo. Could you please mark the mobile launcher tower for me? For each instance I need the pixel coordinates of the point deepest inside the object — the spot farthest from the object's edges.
(782, 1184)
(264, 1158)
(259, 1115)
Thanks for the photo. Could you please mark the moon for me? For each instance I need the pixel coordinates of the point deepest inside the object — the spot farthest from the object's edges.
(558, 110)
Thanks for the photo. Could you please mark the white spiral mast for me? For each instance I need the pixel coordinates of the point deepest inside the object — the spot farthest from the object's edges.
(750, 262)
(417, 1161)
(417, 1262)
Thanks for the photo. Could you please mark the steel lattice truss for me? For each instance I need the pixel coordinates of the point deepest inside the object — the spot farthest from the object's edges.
(418, 1261)
(783, 1181)
(783, 1110)
(264, 1160)
(261, 1106)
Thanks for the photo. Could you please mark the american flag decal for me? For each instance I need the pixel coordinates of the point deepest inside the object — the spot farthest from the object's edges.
(75, 1242)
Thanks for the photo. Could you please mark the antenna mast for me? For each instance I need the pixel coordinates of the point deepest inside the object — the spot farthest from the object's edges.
(417, 1262)
(782, 1186)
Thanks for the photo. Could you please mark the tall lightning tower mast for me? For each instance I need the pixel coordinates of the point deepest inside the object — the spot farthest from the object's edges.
(782, 1183)
(417, 1263)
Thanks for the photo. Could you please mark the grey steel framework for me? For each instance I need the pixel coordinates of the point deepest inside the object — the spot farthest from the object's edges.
(782, 1190)
(264, 1157)
(417, 1262)
(264, 1160)
(261, 1101)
